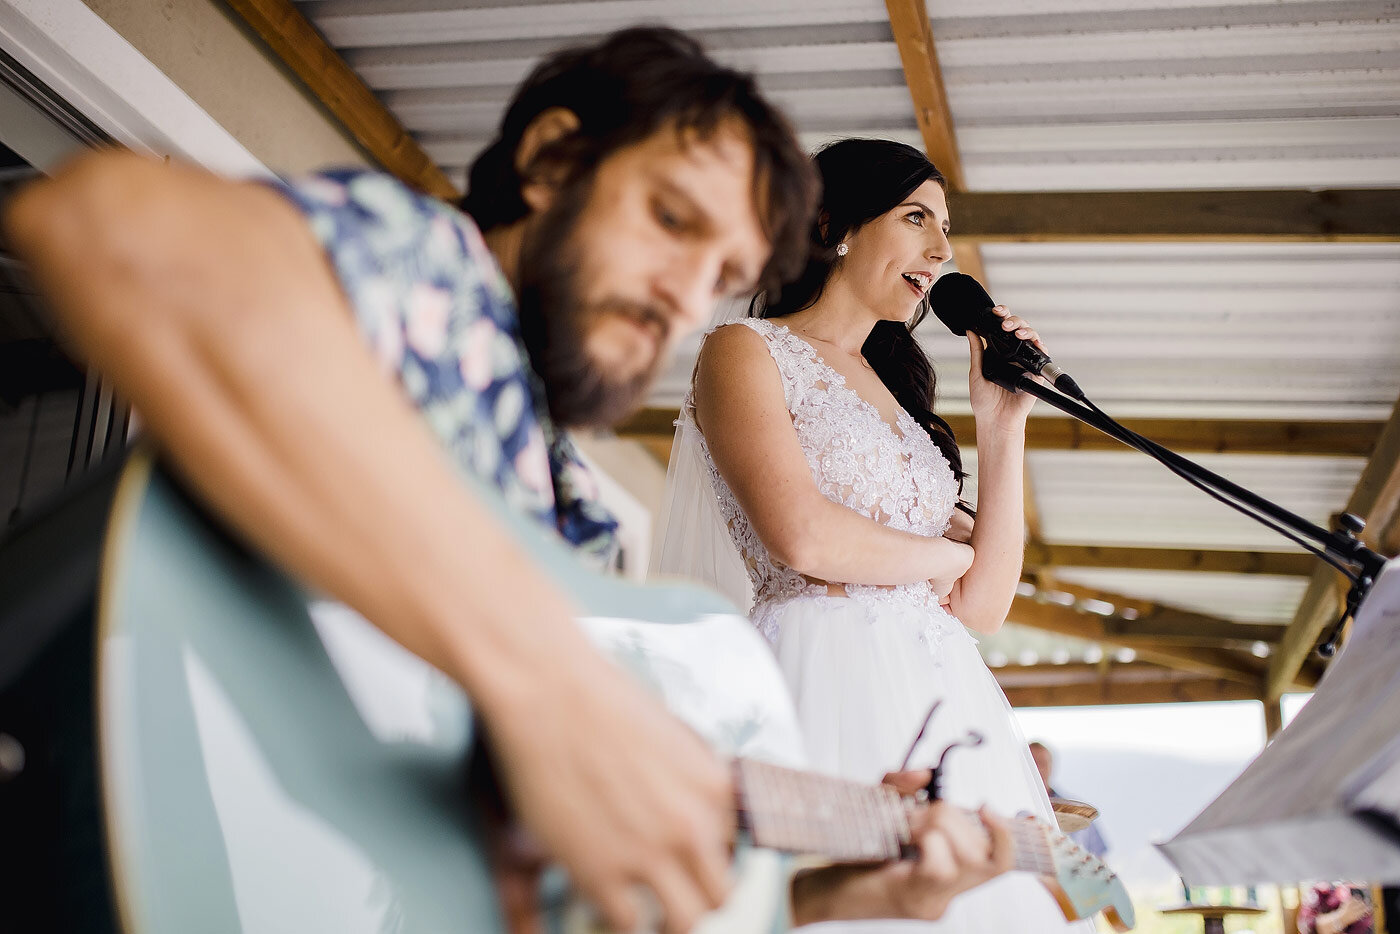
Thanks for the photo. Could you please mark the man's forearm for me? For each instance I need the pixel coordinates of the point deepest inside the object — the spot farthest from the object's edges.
(218, 317)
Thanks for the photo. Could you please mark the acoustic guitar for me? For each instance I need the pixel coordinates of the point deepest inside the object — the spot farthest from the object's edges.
(264, 761)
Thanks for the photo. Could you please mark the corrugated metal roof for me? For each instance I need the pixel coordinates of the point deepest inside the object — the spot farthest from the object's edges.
(1050, 95)
(1208, 330)
(1124, 498)
(1219, 330)
(1045, 95)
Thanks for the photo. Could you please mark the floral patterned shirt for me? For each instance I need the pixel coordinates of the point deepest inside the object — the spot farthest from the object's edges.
(439, 316)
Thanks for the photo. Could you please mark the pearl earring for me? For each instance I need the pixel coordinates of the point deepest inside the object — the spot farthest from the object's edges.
(842, 249)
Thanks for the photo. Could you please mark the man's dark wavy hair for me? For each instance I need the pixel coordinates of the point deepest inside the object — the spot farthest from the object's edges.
(623, 89)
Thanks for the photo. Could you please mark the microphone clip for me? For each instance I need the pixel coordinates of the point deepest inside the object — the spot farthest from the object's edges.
(1002, 372)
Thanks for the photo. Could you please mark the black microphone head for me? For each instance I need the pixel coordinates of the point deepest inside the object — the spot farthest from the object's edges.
(959, 301)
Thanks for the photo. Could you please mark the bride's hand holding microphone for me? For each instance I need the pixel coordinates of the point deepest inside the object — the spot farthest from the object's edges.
(993, 406)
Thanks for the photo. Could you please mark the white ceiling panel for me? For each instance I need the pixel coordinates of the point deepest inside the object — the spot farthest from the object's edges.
(1125, 498)
(360, 23)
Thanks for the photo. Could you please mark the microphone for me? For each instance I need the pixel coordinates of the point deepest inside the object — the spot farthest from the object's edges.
(963, 305)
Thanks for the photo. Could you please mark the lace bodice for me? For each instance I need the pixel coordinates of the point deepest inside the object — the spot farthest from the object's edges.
(898, 478)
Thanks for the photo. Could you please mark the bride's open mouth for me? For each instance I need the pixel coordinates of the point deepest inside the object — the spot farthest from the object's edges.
(918, 281)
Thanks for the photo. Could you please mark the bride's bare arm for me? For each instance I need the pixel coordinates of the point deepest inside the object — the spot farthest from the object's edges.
(982, 598)
(741, 410)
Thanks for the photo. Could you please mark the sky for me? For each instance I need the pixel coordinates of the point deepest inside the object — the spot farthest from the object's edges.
(1150, 769)
(1201, 730)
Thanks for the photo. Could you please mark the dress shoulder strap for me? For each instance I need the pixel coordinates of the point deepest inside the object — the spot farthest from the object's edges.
(796, 360)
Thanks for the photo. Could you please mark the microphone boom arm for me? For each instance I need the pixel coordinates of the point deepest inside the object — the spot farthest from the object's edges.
(1340, 547)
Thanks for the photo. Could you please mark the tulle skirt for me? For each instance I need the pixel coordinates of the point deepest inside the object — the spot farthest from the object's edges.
(863, 672)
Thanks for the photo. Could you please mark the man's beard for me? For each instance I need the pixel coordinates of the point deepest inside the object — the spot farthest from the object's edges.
(555, 323)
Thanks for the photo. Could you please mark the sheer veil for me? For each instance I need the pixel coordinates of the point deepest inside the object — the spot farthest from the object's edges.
(692, 540)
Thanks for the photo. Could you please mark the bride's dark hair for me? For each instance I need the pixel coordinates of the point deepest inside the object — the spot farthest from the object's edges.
(861, 180)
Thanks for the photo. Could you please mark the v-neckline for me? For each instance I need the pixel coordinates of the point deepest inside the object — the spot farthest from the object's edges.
(896, 430)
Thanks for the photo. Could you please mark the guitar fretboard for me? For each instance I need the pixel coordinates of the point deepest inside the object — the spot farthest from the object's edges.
(802, 812)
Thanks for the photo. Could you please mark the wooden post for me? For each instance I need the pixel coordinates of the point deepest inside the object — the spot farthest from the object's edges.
(1319, 607)
(294, 40)
(1273, 718)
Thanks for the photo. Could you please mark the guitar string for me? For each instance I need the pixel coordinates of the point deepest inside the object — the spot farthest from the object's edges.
(862, 823)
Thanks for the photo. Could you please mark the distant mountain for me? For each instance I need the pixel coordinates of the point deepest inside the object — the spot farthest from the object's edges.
(1143, 798)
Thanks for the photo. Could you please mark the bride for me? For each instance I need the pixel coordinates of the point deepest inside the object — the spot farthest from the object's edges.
(809, 436)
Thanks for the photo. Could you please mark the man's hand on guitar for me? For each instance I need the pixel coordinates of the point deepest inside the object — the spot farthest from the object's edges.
(619, 792)
(958, 851)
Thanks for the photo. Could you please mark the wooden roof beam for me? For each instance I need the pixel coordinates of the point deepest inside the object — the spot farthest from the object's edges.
(336, 85)
(1321, 603)
(1210, 661)
(1355, 438)
(1186, 435)
(1072, 674)
(918, 54)
(1286, 564)
(913, 35)
(1165, 691)
(1360, 215)
(1163, 627)
(1136, 618)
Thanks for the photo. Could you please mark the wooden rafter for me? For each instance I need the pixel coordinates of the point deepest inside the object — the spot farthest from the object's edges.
(1189, 436)
(1208, 660)
(1213, 436)
(913, 35)
(1384, 534)
(968, 258)
(1136, 618)
(1049, 674)
(1183, 639)
(297, 42)
(650, 422)
(1287, 215)
(918, 54)
(1168, 627)
(1288, 564)
(1321, 601)
(1132, 683)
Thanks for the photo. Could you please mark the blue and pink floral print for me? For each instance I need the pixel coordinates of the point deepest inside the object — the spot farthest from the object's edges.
(439, 316)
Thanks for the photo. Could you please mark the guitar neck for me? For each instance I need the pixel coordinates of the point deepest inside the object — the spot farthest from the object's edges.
(803, 812)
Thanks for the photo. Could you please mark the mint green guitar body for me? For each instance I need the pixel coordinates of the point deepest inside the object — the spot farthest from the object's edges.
(270, 766)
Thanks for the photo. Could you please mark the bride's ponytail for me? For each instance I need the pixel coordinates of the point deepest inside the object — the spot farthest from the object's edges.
(861, 180)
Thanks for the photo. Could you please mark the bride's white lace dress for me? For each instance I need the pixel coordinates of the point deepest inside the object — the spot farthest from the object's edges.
(865, 667)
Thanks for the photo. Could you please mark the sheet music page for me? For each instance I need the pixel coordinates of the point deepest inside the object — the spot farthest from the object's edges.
(1351, 720)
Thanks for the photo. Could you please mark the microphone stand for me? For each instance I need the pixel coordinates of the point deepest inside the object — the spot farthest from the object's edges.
(1340, 547)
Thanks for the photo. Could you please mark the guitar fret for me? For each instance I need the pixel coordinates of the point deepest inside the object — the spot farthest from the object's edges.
(870, 823)
(803, 812)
